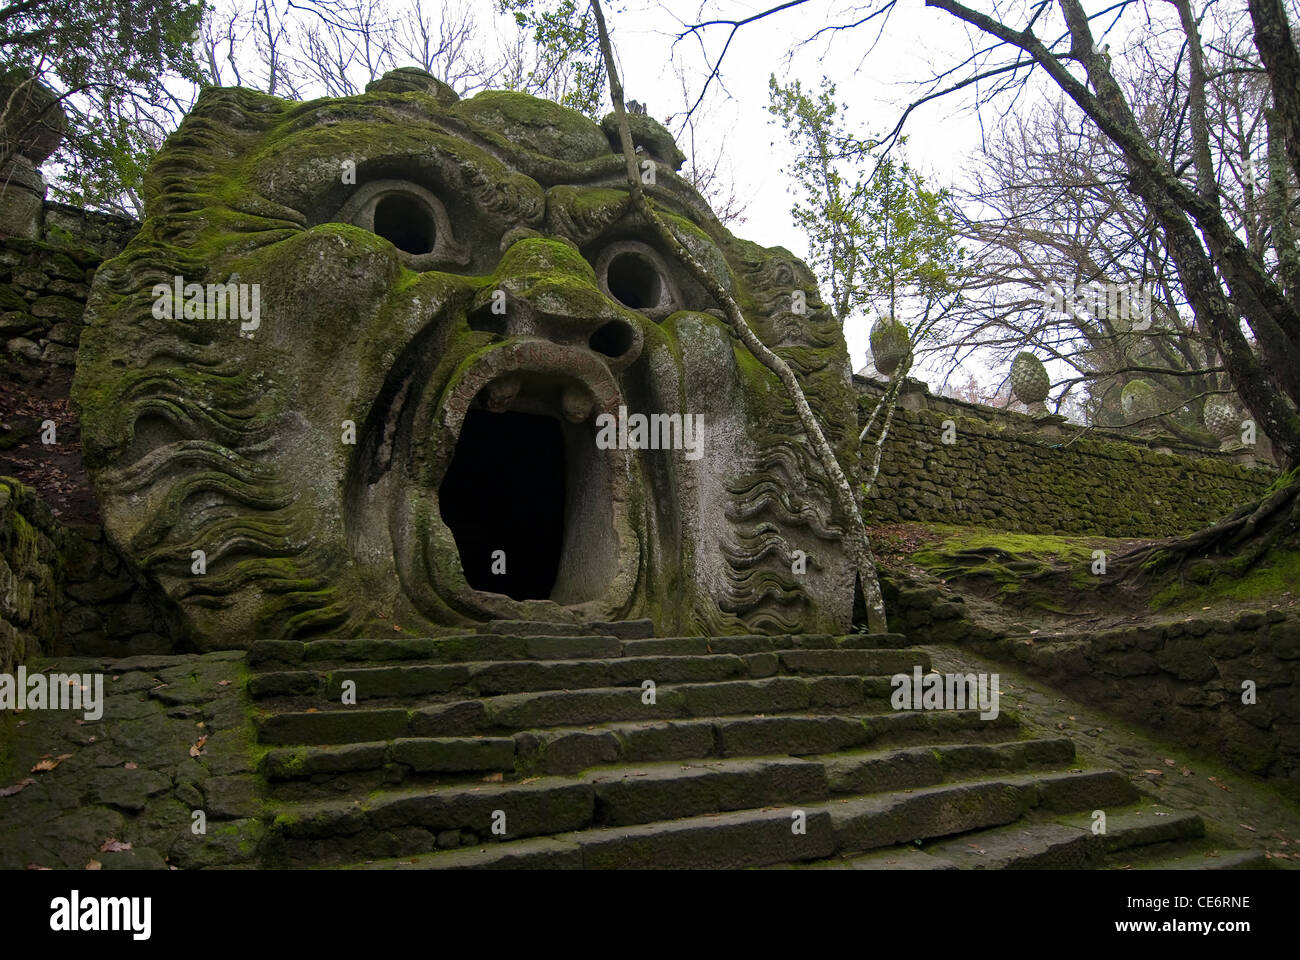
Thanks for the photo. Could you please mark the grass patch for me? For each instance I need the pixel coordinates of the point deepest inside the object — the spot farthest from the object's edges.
(1016, 564)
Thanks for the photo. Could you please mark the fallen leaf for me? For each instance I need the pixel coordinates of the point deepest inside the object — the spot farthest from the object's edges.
(496, 777)
(197, 749)
(1168, 762)
(130, 766)
(397, 628)
(37, 866)
(49, 764)
(1221, 786)
(529, 780)
(1247, 826)
(1158, 773)
(223, 683)
(1185, 772)
(313, 710)
(11, 790)
(112, 845)
(94, 865)
(200, 724)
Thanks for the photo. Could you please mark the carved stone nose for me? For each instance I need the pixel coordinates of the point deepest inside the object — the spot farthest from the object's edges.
(546, 290)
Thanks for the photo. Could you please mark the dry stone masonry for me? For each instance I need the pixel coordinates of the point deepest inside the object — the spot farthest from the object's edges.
(1008, 470)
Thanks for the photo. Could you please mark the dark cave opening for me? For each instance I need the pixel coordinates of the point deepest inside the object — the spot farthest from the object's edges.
(505, 491)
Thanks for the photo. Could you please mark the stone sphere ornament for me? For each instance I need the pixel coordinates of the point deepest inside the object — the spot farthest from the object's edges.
(890, 343)
(1137, 401)
(1030, 382)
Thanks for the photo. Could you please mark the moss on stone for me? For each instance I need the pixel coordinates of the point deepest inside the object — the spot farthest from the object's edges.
(1279, 573)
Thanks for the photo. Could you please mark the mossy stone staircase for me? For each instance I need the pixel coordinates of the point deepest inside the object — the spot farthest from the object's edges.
(531, 745)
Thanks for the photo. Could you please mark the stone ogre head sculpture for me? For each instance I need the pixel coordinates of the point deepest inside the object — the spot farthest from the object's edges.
(405, 359)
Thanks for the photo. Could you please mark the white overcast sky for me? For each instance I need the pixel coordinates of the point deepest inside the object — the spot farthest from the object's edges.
(875, 80)
(874, 85)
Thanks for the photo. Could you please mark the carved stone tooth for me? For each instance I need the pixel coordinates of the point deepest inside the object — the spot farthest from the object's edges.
(500, 393)
(577, 403)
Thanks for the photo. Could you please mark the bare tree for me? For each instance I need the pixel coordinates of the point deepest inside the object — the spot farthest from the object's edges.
(300, 48)
(1248, 311)
(711, 174)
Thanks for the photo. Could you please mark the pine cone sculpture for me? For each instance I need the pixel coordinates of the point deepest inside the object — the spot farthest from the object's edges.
(1221, 417)
(1029, 380)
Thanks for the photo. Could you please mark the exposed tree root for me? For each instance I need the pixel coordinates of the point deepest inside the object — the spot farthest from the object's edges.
(1241, 540)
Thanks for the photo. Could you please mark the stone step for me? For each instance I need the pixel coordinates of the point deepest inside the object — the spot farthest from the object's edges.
(527, 676)
(539, 853)
(1206, 857)
(880, 770)
(627, 629)
(885, 820)
(1031, 844)
(749, 838)
(554, 708)
(745, 838)
(700, 646)
(461, 648)
(1060, 846)
(566, 750)
(669, 791)
(449, 649)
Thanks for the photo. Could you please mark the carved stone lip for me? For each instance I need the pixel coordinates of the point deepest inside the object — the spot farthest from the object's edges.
(530, 356)
(601, 546)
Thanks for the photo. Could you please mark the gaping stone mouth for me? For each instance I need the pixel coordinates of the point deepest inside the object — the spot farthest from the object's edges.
(526, 495)
(536, 510)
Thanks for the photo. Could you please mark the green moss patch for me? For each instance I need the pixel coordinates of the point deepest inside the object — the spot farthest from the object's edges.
(1279, 573)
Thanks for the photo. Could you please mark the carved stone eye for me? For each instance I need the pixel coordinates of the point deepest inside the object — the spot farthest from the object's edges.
(410, 218)
(635, 275)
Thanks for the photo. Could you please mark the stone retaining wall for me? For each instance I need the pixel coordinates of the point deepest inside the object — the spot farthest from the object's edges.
(64, 590)
(29, 575)
(81, 598)
(1186, 681)
(1006, 470)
